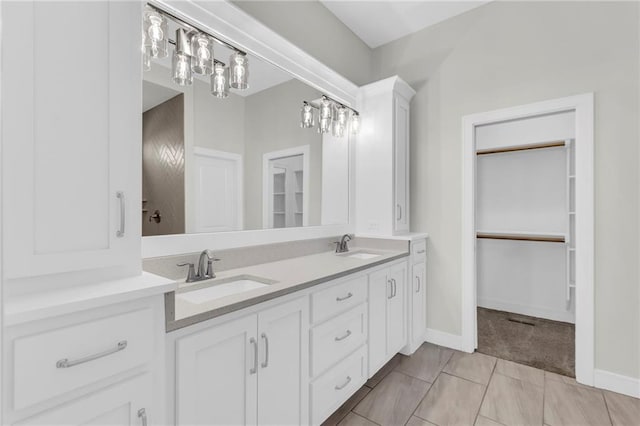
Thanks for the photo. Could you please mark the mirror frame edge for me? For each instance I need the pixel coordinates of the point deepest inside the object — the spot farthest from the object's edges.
(227, 21)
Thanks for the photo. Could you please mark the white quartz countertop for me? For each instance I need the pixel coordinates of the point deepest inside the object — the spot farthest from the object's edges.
(290, 275)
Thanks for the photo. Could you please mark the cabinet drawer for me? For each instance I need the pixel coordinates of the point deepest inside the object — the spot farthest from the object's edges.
(338, 298)
(337, 338)
(57, 361)
(418, 250)
(334, 387)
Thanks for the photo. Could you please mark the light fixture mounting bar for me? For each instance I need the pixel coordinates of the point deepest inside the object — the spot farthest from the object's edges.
(193, 28)
(335, 102)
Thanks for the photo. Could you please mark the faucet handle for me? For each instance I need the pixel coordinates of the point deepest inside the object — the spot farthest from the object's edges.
(191, 275)
(210, 272)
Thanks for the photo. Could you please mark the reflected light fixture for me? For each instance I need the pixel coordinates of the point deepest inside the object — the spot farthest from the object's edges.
(155, 34)
(181, 63)
(202, 50)
(239, 71)
(340, 122)
(306, 116)
(324, 120)
(355, 123)
(220, 81)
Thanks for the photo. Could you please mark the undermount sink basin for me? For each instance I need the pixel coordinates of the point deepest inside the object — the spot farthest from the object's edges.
(216, 289)
(360, 254)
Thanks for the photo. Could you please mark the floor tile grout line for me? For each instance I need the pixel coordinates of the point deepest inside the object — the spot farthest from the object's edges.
(544, 396)
(429, 390)
(606, 405)
(493, 370)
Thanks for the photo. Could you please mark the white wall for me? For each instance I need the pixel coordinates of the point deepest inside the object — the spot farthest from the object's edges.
(512, 53)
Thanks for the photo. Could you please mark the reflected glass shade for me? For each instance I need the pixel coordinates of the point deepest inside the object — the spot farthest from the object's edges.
(220, 81)
(306, 116)
(355, 123)
(181, 61)
(146, 62)
(202, 51)
(154, 42)
(340, 122)
(324, 120)
(239, 71)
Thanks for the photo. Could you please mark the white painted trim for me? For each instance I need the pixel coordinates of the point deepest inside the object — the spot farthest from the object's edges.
(585, 314)
(447, 340)
(303, 150)
(232, 156)
(616, 383)
(227, 21)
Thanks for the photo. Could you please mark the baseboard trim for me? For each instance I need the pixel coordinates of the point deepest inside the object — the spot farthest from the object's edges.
(616, 383)
(447, 340)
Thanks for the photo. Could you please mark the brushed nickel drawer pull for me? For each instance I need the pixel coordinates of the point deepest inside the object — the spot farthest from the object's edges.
(120, 196)
(142, 414)
(421, 251)
(418, 289)
(340, 387)
(254, 369)
(347, 334)
(65, 363)
(348, 296)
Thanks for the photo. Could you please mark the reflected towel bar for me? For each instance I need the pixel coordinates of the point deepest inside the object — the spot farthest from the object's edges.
(522, 237)
(541, 145)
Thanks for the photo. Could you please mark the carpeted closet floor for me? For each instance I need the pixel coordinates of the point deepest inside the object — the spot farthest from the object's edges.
(540, 343)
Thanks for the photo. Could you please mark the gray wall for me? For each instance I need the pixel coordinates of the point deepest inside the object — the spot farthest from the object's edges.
(272, 125)
(312, 27)
(510, 53)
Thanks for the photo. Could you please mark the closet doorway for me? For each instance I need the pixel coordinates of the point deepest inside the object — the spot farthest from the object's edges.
(528, 234)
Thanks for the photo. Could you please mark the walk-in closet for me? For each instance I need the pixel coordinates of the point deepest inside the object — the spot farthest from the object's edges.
(525, 247)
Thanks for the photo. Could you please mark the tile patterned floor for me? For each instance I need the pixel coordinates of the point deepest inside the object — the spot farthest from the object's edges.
(441, 387)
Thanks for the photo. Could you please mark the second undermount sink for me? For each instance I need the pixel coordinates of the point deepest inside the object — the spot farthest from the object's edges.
(360, 254)
(218, 288)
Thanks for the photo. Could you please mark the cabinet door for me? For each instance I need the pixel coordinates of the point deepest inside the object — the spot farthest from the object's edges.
(401, 163)
(379, 292)
(124, 404)
(71, 132)
(396, 310)
(283, 395)
(217, 373)
(418, 303)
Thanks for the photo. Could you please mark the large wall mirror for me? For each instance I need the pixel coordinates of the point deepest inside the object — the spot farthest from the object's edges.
(242, 162)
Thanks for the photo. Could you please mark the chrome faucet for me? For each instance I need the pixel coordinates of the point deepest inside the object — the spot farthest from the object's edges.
(204, 272)
(341, 246)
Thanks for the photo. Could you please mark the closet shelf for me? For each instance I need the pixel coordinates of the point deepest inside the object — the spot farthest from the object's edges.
(540, 145)
(522, 236)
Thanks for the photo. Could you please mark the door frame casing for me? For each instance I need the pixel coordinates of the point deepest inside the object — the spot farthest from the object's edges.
(583, 106)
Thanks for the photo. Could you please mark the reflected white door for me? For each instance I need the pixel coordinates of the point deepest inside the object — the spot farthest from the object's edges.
(218, 191)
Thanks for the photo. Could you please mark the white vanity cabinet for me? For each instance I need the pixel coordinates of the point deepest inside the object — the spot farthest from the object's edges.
(382, 158)
(417, 297)
(71, 131)
(387, 314)
(251, 370)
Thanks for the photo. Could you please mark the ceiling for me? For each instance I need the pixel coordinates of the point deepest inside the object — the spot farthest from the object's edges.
(380, 22)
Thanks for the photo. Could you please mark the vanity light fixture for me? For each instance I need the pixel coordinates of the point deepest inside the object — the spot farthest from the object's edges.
(239, 71)
(220, 81)
(193, 53)
(306, 116)
(181, 63)
(154, 28)
(332, 116)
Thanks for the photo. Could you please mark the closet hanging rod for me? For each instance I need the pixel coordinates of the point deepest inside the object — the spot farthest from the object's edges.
(521, 237)
(540, 145)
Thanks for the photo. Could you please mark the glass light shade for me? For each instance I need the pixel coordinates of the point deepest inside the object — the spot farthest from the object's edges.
(324, 121)
(181, 69)
(202, 51)
(338, 124)
(146, 62)
(355, 123)
(220, 81)
(343, 113)
(239, 71)
(306, 116)
(155, 39)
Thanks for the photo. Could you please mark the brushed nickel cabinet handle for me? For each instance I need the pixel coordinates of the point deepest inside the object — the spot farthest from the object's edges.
(65, 363)
(339, 387)
(418, 290)
(421, 251)
(253, 342)
(340, 299)
(265, 364)
(390, 282)
(398, 212)
(142, 415)
(120, 196)
(347, 334)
